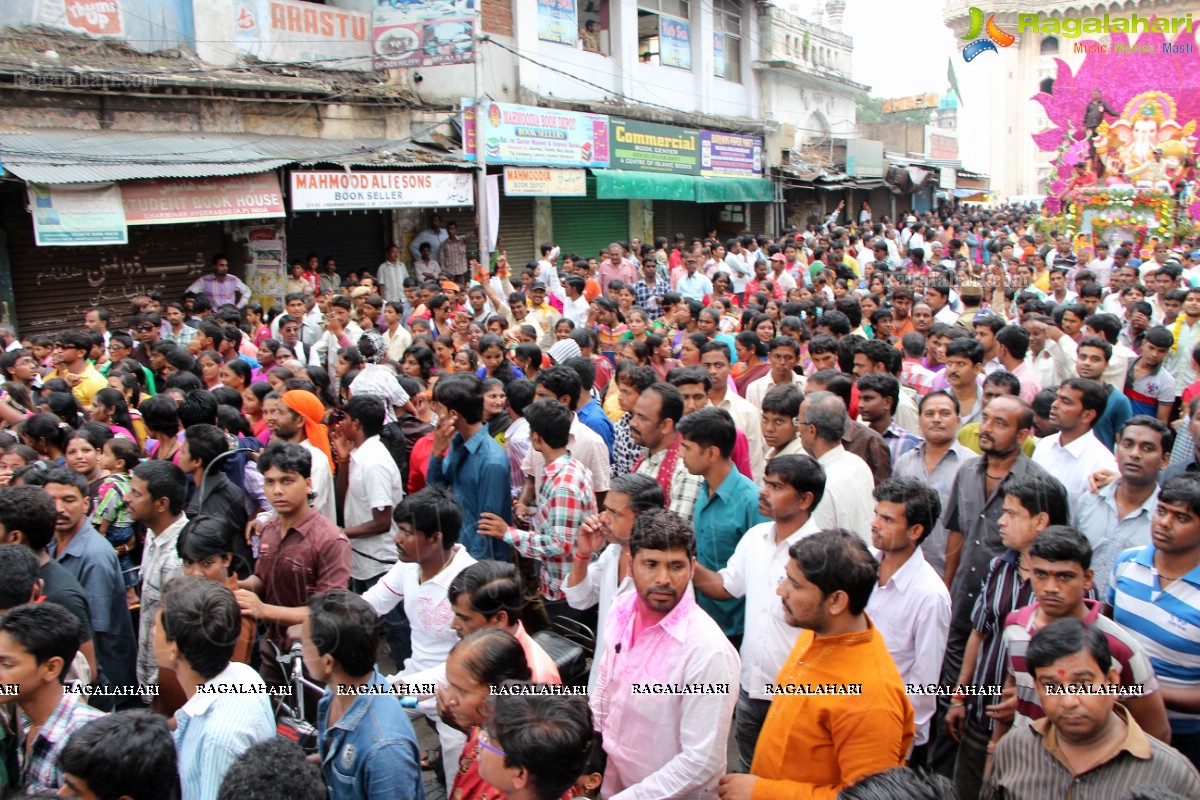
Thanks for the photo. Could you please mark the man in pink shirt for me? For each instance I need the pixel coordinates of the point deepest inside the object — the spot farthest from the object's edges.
(668, 677)
(489, 594)
(617, 267)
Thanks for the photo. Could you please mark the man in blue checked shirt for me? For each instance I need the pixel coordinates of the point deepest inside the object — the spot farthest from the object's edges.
(367, 746)
(227, 708)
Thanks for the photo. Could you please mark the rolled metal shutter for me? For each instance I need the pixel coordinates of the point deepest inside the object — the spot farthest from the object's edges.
(585, 225)
(355, 238)
(673, 216)
(516, 228)
(55, 286)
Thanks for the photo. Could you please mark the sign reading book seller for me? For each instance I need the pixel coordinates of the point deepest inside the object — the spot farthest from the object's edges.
(331, 191)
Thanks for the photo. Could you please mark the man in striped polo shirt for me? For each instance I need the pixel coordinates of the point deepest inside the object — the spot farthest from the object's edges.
(1155, 594)
(1087, 745)
(1059, 564)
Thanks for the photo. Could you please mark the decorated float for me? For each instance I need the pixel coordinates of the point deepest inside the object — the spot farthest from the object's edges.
(1139, 195)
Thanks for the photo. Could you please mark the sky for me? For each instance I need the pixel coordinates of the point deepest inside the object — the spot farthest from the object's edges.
(899, 50)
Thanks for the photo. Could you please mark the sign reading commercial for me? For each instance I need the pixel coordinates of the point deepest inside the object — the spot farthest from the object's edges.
(77, 214)
(544, 182)
(646, 147)
(282, 31)
(169, 200)
(730, 154)
(513, 134)
(424, 34)
(557, 22)
(332, 191)
(674, 43)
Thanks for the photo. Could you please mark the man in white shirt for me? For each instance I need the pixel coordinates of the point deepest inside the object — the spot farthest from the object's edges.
(846, 503)
(391, 274)
(693, 285)
(792, 487)
(1102, 265)
(783, 353)
(911, 604)
(1074, 453)
(434, 235)
(658, 744)
(575, 305)
(340, 332)
(368, 488)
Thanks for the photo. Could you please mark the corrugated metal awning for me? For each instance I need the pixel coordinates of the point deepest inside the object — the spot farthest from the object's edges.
(51, 155)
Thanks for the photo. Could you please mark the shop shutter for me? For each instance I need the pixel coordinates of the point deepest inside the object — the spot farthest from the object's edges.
(760, 216)
(585, 225)
(673, 216)
(516, 226)
(355, 238)
(55, 286)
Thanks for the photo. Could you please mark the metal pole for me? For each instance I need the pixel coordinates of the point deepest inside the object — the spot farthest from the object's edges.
(481, 217)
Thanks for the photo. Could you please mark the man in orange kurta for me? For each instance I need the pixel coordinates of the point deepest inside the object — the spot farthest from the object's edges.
(839, 711)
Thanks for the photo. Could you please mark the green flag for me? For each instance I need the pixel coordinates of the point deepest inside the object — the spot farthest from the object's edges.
(953, 79)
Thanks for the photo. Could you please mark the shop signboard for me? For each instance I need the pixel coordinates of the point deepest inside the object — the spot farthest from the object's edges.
(513, 134)
(293, 31)
(544, 182)
(332, 191)
(730, 155)
(648, 147)
(77, 214)
(557, 22)
(169, 200)
(674, 43)
(424, 34)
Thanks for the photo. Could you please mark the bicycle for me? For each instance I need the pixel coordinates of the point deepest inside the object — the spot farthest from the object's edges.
(290, 722)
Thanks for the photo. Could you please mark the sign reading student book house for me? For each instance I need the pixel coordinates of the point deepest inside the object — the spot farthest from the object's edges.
(730, 154)
(158, 202)
(331, 191)
(544, 182)
(513, 134)
(647, 147)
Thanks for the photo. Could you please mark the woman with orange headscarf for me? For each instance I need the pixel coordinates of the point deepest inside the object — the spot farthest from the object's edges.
(310, 410)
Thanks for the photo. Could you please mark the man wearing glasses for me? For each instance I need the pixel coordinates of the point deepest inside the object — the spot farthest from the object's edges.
(71, 364)
(147, 329)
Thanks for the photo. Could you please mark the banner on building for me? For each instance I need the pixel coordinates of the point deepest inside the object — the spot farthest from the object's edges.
(544, 182)
(168, 200)
(730, 154)
(557, 22)
(513, 134)
(266, 263)
(423, 34)
(648, 147)
(331, 191)
(77, 214)
(719, 55)
(95, 17)
(285, 31)
(674, 43)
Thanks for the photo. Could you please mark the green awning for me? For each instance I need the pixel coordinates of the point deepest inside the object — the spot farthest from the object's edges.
(734, 190)
(619, 184)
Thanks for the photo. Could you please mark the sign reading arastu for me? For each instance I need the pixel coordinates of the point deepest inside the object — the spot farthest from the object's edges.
(331, 191)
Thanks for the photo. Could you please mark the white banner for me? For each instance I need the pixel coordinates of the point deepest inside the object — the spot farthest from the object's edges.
(331, 191)
(77, 214)
(542, 182)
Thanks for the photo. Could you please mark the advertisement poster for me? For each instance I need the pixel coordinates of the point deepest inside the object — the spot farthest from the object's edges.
(95, 17)
(167, 200)
(77, 214)
(730, 154)
(719, 55)
(283, 31)
(331, 191)
(674, 43)
(516, 134)
(556, 22)
(266, 274)
(423, 34)
(544, 182)
(646, 147)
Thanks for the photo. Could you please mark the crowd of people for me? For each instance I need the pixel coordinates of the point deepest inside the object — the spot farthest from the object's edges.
(886, 509)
